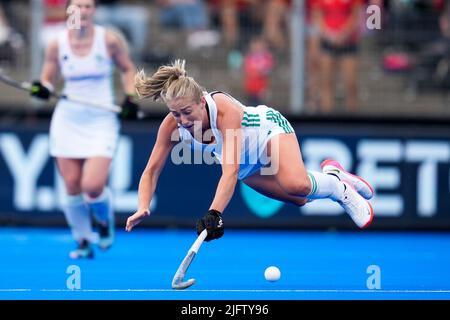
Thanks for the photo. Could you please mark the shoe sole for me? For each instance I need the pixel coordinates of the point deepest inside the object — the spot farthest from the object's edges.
(336, 164)
(371, 217)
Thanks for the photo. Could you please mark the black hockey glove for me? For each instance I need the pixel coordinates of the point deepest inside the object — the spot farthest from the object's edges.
(212, 222)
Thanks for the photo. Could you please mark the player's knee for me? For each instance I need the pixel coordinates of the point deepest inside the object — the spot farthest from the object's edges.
(301, 202)
(92, 189)
(297, 188)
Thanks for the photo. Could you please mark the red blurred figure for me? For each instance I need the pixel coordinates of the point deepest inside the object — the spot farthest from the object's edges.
(339, 23)
(258, 64)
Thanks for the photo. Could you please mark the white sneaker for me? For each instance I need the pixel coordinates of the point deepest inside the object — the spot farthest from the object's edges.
(360, 185)
(358, 208)
(84, 250)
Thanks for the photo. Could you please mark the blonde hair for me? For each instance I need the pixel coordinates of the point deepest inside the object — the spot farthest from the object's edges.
(168, 83)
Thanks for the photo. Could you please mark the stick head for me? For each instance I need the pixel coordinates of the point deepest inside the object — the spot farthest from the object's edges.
(177, 281)
(180, 285)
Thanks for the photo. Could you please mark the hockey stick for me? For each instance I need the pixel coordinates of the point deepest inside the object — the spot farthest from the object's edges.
(26, 86)
(178, 282)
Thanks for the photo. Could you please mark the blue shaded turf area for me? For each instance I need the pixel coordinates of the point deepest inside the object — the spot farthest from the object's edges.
(314, 265)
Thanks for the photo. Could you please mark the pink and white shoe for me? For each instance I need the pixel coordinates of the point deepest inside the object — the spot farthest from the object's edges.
(362, 186)
(358, 208)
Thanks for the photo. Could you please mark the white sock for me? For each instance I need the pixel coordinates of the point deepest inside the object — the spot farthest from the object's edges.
(325, 186)
(101, 207)
(77, 216)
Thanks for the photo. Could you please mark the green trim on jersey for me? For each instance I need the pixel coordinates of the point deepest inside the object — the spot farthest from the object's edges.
(251, 120)
(278, 118)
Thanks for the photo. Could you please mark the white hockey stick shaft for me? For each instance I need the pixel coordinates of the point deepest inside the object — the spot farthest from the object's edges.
(178, 280)
(27, 87)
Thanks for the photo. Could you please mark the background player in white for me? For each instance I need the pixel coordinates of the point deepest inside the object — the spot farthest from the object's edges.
(83, 138)
(237, 135)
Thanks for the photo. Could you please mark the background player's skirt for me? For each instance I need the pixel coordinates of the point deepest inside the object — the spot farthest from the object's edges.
(81, 132)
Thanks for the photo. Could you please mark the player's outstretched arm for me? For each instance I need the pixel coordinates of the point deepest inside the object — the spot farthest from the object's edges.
(166, 139)
(229, 123)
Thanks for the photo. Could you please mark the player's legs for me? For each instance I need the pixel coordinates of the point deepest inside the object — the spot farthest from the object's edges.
(95, 176)
(267, 185)
(290, 173)
(98, 197)
(71, 170)
(285, 180)
(75, 209)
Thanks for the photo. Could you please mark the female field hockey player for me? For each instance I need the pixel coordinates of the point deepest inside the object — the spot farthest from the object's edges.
(238, 135)
(83, 138)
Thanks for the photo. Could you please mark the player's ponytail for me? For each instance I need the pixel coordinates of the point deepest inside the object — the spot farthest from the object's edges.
(168, 83)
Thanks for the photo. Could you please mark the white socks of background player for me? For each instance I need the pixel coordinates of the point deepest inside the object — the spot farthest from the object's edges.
(325, 186)
(78, 218)
(101, 207)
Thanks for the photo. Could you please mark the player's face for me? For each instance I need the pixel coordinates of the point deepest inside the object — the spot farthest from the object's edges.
(187, 112)
(86, 11)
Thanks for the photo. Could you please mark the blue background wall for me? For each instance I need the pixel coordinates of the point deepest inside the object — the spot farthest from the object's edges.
(408, 164)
